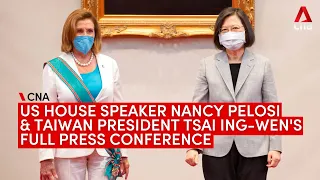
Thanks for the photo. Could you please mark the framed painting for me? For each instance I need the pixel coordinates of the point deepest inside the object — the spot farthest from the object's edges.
(161, 18)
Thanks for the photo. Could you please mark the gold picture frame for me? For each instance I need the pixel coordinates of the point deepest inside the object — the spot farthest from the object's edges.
(160, 26)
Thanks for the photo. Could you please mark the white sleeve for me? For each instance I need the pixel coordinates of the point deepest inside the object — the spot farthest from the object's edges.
(49, 87)
(117, 95)
(49, 83)
(117, 91)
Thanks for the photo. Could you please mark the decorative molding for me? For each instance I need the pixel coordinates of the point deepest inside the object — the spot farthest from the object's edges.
(109, 31)
(212, 27)
(160, 26)
(167, 31)
(248, 7)
(91, 5)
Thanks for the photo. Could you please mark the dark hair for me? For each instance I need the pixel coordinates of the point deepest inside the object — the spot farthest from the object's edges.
(250, 37)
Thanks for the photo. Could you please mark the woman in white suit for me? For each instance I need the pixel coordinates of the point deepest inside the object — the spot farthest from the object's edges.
(94, 77)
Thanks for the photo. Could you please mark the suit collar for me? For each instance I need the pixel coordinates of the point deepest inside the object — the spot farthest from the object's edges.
(223, 67)
(247, 56)
(246, 66)
(69, 59)
(101, 65)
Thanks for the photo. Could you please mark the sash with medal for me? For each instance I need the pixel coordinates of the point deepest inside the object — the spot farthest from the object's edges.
(82, 94)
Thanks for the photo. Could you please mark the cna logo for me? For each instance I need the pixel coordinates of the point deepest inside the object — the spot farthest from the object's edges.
(33, 96)
(305, 24)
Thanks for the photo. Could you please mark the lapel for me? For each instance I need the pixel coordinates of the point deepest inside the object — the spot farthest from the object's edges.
(101, 65)
(246, 66)
(69, 59)
(103, 74)
(223, 67)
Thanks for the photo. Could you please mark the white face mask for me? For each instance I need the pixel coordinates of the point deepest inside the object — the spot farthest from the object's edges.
(232, 40)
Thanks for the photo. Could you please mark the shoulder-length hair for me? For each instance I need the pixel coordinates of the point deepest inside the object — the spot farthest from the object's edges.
(69, 30)
(250, 37)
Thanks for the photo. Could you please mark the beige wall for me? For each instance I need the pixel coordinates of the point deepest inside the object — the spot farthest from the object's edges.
(162, 70)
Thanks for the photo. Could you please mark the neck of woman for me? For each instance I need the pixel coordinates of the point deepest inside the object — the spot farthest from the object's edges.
(235, 56)
(83, 58)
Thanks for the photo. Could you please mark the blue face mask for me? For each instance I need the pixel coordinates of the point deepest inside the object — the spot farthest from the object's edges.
(83, 43)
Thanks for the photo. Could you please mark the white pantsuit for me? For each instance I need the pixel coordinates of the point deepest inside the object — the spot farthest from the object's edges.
(72, 163)
(76, 168)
